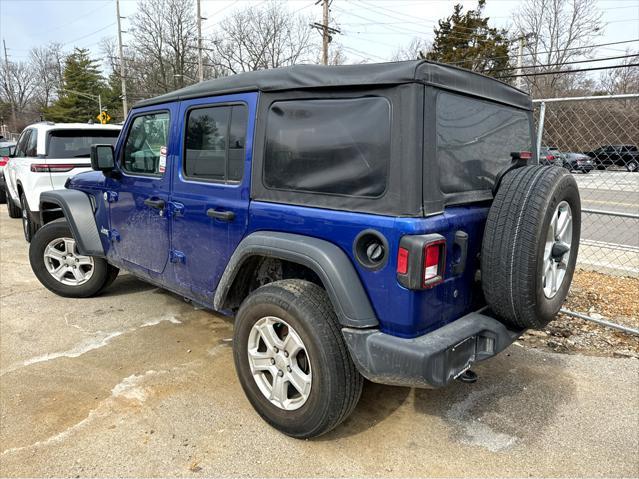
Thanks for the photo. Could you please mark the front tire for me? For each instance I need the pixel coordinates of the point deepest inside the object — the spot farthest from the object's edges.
(61, 269)
(292, 361)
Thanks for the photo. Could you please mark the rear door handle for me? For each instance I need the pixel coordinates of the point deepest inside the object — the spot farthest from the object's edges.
(220, 215)
(158, 204)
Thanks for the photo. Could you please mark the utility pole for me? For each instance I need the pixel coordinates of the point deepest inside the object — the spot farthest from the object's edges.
(325, 30)
(200, 66)
(11, 99)
(325, 35)
(125, 108)
(520, 62)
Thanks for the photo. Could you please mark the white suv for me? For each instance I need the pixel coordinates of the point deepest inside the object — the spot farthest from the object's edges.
(46, 155)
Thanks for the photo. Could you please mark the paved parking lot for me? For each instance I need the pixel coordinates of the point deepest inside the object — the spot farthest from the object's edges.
(139, 383)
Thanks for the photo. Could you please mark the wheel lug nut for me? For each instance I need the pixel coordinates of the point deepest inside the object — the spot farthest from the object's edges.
(286, 354)
(288, 368)
(272, 361)
(277, 350)
(280, 373)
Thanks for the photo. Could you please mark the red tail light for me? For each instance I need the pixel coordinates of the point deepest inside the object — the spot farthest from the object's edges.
(402, 261)
(4, 160)
(434, 261)
(550, 158)
(53, 168)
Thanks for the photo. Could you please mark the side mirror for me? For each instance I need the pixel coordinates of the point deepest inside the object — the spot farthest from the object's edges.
(102, 158)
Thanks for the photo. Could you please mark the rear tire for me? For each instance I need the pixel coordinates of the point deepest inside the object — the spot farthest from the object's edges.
(530, 245)
(12, 209)
(29, 226)
(61, 269)
(294, 311)
(3, 196)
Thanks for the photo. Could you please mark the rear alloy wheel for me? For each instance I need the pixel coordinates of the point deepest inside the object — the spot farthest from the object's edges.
(59, 266)
(279, 363)
(530, 245)
(632, 166)
(28, 225)
(291, 359)
(13, 210)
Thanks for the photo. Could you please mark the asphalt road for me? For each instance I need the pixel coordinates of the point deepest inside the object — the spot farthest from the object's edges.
(614, 191)
(139, 383)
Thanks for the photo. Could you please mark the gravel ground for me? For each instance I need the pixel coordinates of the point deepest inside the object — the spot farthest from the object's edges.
(598, 295)
(137, 382)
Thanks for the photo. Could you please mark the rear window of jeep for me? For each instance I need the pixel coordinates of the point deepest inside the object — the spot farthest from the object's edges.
(475, 139)
(331, 146)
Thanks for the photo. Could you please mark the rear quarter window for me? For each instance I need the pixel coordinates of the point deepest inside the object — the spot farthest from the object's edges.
(329, 146)
(475, 139)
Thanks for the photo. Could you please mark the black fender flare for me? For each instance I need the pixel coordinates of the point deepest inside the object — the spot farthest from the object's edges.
(78, 211)
(328, 261)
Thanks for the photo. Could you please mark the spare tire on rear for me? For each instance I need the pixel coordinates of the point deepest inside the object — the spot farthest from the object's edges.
(530, 245)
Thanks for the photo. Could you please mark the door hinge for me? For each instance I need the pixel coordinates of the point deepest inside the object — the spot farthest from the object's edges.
(176, 256)
(110, 196)
(112, 234)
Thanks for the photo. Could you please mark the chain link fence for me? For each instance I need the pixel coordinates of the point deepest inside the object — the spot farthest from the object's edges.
(597, 138)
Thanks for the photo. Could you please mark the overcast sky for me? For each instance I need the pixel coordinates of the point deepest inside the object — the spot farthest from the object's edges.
(371, 29)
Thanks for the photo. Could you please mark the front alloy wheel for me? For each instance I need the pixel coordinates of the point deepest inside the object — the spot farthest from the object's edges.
(65, 264)
(56, 262)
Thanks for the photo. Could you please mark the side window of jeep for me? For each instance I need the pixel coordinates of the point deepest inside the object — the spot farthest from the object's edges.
(147, 136)
(215, 141)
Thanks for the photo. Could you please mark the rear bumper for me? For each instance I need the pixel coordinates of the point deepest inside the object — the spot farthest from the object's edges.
(431, 360)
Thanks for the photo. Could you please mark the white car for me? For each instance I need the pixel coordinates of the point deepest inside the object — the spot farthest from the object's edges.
(46, 155)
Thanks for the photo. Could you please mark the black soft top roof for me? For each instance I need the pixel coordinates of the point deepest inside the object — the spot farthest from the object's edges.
(304, 77)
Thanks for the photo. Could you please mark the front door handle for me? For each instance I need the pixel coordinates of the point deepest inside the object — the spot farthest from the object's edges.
(158, 204)
(220, 215)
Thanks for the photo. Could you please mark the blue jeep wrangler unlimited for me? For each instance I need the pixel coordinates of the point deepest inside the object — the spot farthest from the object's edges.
(373, 221)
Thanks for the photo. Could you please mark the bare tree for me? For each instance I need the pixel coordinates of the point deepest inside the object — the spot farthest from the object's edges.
(260, 38)
(416, 49)
(47, 65)
(561, 31)
(18, 88)
(621, 80)
(162, 47)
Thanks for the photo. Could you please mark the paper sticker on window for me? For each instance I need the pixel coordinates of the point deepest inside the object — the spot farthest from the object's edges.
(162, 164)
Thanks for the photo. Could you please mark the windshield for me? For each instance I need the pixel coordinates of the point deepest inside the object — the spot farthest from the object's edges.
(77, 143)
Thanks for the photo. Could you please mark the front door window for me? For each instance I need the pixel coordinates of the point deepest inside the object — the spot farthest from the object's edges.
(145, 147)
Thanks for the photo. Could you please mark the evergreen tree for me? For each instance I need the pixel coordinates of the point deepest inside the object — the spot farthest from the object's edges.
(466, 40)
(81, 75)
(112, 97)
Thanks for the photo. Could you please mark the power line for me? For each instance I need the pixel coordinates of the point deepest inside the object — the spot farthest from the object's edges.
(89, 34)
(584, 47)
(568, 63)
(557, 72)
